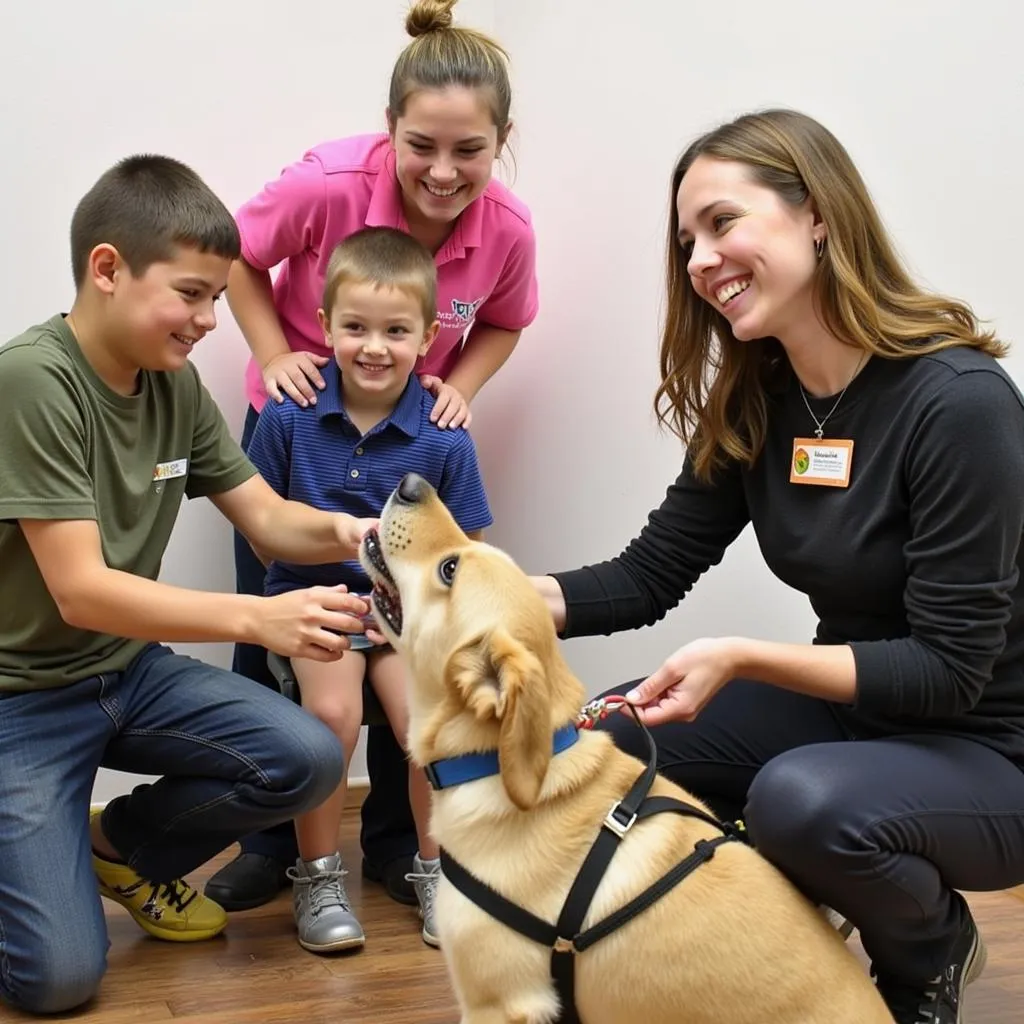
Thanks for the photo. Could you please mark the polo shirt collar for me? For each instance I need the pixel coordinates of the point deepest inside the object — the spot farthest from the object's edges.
(385, 210)
(470, 225)
(405, 415)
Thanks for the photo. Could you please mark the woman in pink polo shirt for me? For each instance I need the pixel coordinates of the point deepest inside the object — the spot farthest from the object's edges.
(430, 174)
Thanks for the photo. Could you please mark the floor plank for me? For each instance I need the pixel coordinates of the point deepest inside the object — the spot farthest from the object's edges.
(256, 972)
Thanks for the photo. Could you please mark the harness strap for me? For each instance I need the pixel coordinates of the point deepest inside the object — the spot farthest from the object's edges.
(487, 899)
(571, 940)
(634, 806)
(564, 938)
(702, 853)
(586, 883)
(618, 821)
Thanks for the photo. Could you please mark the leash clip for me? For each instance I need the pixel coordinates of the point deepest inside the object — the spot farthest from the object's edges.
(598, 710)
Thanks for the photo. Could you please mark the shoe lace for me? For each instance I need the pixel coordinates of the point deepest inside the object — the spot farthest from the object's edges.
(177, 893)
(326, 889)
(426, 888)
(910, 1005)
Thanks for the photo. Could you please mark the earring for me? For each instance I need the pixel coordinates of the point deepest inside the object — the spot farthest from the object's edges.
(819, 247)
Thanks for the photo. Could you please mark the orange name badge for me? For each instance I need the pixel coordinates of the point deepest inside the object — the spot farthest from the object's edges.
(821, 463)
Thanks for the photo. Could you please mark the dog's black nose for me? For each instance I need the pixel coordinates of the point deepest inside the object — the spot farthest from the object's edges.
(412, 489)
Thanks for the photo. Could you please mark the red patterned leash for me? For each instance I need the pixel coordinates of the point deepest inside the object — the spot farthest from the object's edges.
(598, 710)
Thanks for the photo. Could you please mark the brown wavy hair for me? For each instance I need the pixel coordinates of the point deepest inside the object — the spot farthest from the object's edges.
(713, 391)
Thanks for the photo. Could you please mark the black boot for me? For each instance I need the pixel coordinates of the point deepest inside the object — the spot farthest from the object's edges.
(392, 877)
(250, 880)
(940, 1001)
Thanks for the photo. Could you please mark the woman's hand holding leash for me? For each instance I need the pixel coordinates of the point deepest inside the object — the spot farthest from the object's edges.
(678, 691)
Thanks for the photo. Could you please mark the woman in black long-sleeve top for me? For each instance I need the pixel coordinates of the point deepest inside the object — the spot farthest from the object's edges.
(866, 431)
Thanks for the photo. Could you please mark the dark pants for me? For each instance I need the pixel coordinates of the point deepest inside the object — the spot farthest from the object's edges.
(880, 829)
(388, 830)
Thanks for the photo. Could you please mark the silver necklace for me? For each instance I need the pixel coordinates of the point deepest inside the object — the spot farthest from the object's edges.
(819, 425)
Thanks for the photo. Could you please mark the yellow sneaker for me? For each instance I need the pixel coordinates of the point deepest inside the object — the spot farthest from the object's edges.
(172, 911)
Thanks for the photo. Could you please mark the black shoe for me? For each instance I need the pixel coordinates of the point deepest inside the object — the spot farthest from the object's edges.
(250, 880)
(941, 1000)
(392, 876)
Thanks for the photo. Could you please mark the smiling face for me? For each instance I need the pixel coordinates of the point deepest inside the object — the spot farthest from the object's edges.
(750, 253)
(377, 334)
(159, 316)
(445, 143)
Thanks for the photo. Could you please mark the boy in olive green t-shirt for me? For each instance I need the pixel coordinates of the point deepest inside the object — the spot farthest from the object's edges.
(105, 426)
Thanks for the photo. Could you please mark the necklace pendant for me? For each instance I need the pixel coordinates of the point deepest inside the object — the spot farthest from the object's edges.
(818, 432)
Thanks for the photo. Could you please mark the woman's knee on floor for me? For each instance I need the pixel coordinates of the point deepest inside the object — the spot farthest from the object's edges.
(55, 977)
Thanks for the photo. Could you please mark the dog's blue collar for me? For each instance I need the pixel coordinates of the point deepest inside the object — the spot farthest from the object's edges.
(453, 771)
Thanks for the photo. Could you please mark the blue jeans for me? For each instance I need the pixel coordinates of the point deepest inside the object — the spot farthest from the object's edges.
(234, 757)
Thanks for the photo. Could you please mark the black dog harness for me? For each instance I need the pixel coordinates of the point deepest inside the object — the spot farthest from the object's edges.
(564, 939)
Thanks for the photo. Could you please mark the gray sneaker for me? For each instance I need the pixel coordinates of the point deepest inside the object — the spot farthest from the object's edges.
(424, 876)
(323, 913)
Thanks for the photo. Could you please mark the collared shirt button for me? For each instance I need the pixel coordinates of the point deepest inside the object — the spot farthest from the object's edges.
(354, 474)
(359, 451)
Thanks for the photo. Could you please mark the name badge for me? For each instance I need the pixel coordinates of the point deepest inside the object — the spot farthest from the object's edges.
(821, 463)
(170, 470)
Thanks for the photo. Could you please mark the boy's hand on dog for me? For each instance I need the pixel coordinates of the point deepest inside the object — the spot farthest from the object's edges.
(310, 623)
(350, 531)
(678, 691)
(376, 637)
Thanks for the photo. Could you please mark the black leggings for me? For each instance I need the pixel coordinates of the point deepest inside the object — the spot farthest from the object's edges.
(882, 830)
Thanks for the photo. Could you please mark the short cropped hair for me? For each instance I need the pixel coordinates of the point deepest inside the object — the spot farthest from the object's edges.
(385, 258)
(145, 206)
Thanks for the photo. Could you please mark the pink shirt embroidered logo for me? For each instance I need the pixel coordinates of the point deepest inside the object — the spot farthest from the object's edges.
(462, 313)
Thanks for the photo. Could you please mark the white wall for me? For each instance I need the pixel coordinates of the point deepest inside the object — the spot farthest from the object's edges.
(925, 93)
(235, 88)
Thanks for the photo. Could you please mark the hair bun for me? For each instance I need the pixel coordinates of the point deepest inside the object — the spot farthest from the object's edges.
(429, 16)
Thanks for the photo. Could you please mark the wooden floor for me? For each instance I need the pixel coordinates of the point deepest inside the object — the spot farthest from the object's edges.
(256, 973)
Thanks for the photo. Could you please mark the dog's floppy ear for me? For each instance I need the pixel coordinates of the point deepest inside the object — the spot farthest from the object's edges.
(497, 677)
(524, 743)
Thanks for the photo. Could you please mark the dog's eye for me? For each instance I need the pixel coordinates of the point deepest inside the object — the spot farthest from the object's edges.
(446, 570)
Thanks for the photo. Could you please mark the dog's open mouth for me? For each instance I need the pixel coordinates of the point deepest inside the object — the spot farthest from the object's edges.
(387, 604)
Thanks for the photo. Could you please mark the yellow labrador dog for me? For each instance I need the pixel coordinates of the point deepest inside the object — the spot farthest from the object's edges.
(733, 943)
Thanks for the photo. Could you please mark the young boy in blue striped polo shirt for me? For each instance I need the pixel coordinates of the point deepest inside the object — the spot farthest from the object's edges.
(347, 452)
